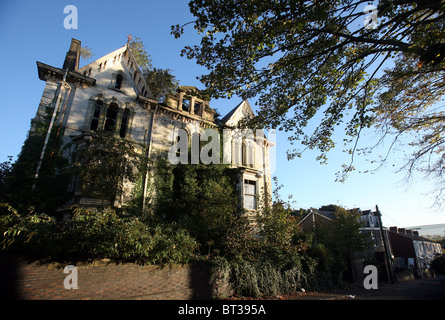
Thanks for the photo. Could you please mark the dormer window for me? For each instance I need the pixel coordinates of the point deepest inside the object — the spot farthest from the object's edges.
(119, 80)
(185, 104)
(197, 108)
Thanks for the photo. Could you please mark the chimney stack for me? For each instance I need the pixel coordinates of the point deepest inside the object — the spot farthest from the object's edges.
(402, 230)
(72, 56)
(393, 229)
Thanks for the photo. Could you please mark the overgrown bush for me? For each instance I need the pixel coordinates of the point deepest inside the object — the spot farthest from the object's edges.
(92, 234)
(438, 264)
(200, 198)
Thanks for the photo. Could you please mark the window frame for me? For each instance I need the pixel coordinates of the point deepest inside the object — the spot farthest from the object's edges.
(253, 196)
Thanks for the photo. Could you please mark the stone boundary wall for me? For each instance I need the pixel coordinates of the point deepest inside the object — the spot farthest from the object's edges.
(103, 280)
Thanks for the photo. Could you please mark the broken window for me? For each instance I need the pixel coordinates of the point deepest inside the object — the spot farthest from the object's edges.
(185, 104)
(119, 79)
(124, 123)
(111, 117)
(249, 194)
(197, 108)
(96, 115)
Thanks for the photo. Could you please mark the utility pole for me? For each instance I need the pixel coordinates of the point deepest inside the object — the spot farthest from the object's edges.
(389, 272)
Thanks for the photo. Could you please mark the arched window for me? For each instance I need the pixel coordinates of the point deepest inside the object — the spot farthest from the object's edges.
(124, 123)
(119, 80)
(111, 117)
(248, 153)
(96, 115)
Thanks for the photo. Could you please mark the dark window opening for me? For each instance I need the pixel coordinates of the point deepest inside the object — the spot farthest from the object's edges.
(124, 123)
(111, 117)
(119, 79)
(96, 115)
(185, 104)
(197, 108)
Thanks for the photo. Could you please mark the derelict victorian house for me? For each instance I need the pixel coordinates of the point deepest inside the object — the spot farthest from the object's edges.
(111, 94)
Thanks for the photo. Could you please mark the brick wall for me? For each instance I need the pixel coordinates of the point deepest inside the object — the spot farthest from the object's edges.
(106, 281)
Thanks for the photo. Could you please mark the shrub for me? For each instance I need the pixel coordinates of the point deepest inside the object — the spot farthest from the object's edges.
(92, 234)
(438, 264)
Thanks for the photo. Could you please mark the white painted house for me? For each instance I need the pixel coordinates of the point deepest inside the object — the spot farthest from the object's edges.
(111, 94)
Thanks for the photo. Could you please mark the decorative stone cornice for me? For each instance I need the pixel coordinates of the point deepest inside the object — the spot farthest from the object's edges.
(47, 72)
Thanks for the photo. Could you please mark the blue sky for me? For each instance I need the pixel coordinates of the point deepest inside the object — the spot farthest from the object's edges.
(33, 31)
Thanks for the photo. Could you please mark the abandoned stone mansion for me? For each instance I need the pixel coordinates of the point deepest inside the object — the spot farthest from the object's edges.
(110, 94)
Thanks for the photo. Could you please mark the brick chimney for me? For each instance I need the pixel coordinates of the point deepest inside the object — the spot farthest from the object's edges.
(416, 233)
(393, 229)
(402, 230)
(72, 56)
(409, 232)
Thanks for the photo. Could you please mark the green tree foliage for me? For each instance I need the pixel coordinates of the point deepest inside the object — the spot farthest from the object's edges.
(161, 82)
(202, 199)
(20, 176)
(104, 163)
(339, 242)
(438, 264)
(316, 61)
(92, 234)
(346, 231)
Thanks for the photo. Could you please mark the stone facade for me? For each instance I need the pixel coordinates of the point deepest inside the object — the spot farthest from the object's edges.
(111, 94)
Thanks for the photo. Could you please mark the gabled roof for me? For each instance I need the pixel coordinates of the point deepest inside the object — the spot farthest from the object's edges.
(104, 58)
(328, 215)
(125, 51)
(232, 118)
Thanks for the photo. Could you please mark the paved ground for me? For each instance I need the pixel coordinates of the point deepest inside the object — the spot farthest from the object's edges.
(418, 289)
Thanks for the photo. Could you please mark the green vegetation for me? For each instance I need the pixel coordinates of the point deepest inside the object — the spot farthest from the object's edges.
(438, 264)
(192, 216)
(317, 70)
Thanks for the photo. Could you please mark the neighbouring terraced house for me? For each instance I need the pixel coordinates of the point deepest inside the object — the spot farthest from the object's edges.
(111, 94)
